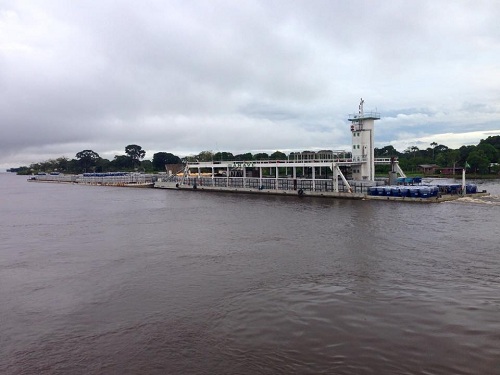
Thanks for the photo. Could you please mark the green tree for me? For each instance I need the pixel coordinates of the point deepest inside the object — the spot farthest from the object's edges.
(147, 166)
(489, 151)
(448, 158)
(478, 161)
(87, 159)
(261, 156)
(121, 163)
(244, 157)
(223, 156)
(453, 156)
(103, 165)
(411, 150)
(135, 153)
(464, 153)
(62, 164)
(278, 155)
(440, 148)
(160, 159)
(414, 150)
(205, 156)
(433, 145)
(74, 166)
(23, 170)
(386, 152)
(492, 140)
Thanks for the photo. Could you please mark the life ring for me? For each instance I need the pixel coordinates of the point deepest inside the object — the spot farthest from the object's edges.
(300, 192)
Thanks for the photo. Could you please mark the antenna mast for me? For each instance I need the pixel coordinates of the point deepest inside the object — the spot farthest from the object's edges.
(361, 111)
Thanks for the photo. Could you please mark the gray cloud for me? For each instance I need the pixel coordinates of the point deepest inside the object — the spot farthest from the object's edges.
(184, 77)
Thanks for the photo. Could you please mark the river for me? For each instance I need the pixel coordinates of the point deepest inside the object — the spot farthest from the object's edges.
(104, 280)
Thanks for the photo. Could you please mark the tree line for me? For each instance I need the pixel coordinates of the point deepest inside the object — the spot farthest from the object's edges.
(90, 161)
(482, 158)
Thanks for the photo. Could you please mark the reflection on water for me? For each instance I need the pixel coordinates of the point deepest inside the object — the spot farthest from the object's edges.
(99, 280)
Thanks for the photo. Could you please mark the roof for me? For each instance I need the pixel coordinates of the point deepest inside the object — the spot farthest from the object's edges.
(428, 166)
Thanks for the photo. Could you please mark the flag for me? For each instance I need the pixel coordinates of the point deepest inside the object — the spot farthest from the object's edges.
(467, 165)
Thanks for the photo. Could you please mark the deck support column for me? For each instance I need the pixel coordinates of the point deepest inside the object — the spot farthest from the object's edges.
(335, 177)
(313, 179)
(276, 178)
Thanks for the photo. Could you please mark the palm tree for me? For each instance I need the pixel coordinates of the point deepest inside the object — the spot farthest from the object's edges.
(414, 149)
(433, 145)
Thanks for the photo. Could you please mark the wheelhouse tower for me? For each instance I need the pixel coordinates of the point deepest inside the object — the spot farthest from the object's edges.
(363, 146)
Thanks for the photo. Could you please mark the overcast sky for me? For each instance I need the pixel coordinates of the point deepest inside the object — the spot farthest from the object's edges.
(187, 76)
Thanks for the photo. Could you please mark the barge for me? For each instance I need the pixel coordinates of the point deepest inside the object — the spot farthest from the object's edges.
(122, 179)
(332, 174)
(420, 194)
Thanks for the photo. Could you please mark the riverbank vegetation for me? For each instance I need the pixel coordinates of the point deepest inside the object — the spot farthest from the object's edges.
(440, 160)
(481, 159)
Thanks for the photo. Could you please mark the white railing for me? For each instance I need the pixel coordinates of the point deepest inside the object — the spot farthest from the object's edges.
(257, 163)
(364, 115)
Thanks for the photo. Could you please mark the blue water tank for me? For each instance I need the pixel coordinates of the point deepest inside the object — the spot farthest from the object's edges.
(455, 188)
(404, 191)
(470, 189)
(424, 192)
(413, 192)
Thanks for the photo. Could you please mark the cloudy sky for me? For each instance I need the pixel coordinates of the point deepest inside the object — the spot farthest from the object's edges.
(187, 76)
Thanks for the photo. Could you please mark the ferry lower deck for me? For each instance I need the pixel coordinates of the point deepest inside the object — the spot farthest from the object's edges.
(312, 175)
(322, 188)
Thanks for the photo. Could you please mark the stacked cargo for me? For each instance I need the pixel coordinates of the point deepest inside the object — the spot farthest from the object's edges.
(421, 191)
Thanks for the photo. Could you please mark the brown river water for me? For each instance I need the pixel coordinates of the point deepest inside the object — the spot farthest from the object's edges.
(104, 280)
